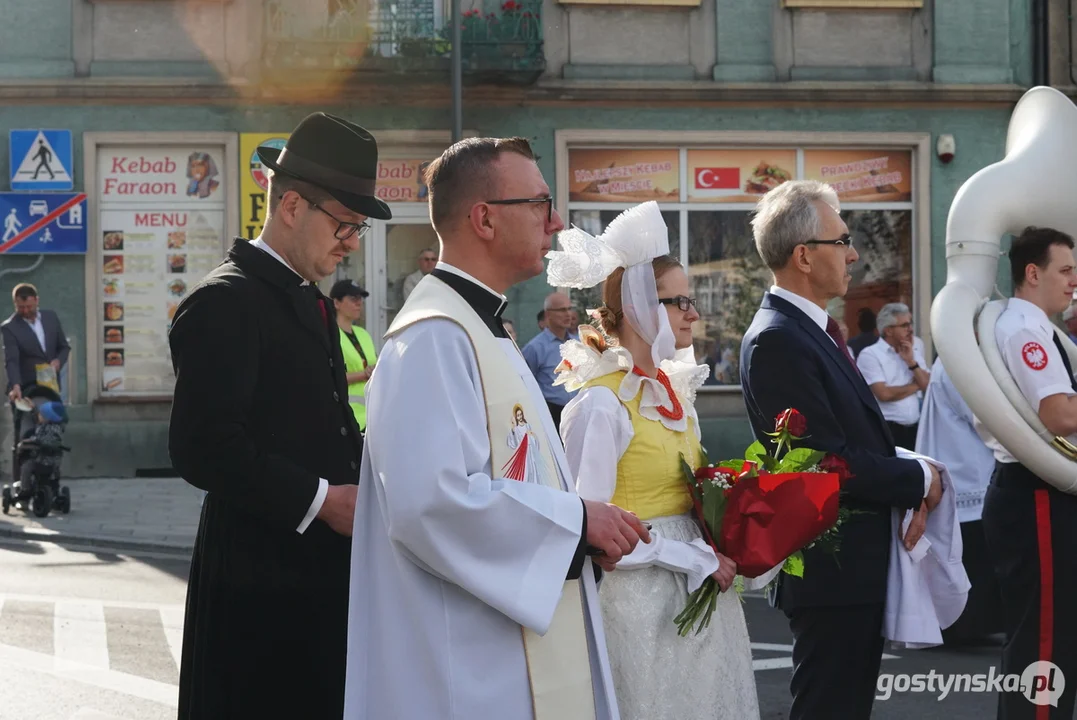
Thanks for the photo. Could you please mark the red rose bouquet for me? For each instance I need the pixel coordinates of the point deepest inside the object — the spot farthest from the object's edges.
(763, 510)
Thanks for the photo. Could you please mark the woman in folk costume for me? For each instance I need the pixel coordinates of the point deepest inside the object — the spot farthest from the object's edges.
(624, 435)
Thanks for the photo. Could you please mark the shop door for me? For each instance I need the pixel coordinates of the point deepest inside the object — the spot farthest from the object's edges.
(396, 246)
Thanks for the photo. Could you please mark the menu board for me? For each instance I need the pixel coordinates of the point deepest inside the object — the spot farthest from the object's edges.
(162, 229)
(149, 263)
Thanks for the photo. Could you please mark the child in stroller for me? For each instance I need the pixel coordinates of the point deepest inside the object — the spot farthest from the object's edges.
(38, 455)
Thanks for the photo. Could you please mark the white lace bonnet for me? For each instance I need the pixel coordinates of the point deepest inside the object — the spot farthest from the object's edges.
(634, 238)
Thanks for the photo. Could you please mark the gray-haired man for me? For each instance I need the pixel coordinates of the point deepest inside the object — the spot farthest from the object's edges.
(895, 369)
(794, 356)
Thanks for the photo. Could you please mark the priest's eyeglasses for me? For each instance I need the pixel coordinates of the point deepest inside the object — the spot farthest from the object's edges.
(344, 229)
(845, 240)
(521, 201)
(681, 301)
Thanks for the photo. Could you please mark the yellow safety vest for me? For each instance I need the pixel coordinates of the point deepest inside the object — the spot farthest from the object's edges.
(353, 362)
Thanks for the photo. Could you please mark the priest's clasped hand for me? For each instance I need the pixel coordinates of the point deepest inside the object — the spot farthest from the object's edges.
(338, 510)
(612, 531)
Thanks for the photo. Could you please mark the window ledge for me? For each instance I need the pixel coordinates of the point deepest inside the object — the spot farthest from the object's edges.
(653, 3)
(854, 4)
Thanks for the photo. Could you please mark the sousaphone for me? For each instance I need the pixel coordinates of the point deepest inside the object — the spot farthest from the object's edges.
(1033, 185)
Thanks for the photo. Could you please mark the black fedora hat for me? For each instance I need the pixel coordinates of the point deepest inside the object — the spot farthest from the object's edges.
(336, 155)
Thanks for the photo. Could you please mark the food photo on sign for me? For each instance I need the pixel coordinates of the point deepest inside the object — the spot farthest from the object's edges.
(113, 240)
(738, 176)
(113, 311)
(113, 264)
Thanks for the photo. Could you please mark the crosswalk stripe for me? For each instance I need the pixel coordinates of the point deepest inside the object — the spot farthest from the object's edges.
(80, 633)
(20, 660)
(102, 601)
(172, 622)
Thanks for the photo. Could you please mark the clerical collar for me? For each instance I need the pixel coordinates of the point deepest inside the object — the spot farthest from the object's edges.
(478, 295)
(264, 247)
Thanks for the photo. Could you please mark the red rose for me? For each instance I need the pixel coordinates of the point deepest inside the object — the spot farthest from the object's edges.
(836, 464)
(792, 422)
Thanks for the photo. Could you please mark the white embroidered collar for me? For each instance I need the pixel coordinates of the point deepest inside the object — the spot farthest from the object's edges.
(583, 361)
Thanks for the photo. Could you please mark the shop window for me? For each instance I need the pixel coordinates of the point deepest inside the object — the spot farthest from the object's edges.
(707, 197)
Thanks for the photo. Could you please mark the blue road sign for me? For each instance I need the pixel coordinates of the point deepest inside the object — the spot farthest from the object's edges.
(41, 160)
(35, 223)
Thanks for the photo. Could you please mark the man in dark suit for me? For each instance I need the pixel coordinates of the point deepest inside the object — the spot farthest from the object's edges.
(794, 355)
(32, 337)
(261, 421)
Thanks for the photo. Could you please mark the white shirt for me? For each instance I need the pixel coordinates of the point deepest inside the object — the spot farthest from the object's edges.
(805, 305)
(323, 484)
(411, 281)
(821, 318)
(38, 328)
(948, 434)
(1025, 339)
(880, 363)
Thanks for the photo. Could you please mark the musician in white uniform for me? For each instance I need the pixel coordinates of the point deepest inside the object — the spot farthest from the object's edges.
(1031, 528)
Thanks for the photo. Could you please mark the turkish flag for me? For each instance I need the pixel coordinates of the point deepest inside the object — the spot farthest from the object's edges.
(711, 178)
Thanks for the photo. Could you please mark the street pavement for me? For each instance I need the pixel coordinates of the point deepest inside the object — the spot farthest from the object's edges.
(89, 634)
(772, 646)
(91, 616)
(158, 514)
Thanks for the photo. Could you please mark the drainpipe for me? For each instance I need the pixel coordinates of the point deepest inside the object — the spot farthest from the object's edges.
(1040, 51)
(457, 72)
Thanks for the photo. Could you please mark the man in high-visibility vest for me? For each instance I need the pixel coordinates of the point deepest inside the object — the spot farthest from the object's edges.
(355, 343)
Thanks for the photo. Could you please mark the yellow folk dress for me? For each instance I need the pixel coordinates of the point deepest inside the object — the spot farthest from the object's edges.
(613, 423)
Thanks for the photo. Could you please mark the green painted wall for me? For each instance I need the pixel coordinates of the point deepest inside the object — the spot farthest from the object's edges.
(980, 136)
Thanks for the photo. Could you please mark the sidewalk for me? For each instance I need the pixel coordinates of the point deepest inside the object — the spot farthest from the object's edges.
(154, 514)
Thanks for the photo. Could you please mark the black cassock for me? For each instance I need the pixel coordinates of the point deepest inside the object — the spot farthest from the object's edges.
(260, 414)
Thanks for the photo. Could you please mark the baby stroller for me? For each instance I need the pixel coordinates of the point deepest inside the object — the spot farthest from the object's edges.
(40, 421)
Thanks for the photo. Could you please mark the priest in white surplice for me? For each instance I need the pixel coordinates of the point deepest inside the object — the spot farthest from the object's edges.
(473, 592)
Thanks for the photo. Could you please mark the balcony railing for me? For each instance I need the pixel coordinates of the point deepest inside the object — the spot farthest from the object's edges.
(413, 37)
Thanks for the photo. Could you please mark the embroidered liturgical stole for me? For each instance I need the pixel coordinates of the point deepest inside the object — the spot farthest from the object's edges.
(558, 663)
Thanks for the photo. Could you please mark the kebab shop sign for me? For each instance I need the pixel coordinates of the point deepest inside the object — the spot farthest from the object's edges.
(188, 175)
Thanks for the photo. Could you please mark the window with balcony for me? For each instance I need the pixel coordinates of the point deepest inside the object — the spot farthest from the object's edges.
(404, 36)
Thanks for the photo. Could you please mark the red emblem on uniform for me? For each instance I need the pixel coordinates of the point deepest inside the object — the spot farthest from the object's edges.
(1034, 355)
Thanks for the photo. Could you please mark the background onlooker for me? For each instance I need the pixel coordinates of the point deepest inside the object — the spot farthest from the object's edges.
(865, 323)
(543, 353)
(428, 258)
(895, 368)
(34, 343)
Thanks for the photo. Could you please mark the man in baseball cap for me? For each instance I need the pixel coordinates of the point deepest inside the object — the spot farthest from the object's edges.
(355, 343)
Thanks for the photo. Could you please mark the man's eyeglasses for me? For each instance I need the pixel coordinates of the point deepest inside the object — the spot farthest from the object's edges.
(681, 301)
(344, 229)
(521, 201)
(845, 240)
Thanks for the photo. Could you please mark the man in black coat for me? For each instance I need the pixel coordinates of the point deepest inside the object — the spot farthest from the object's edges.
(794, 356)
(261, 421)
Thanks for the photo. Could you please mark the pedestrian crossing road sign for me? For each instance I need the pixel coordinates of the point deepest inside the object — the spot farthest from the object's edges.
(35, 223)
(41, 160)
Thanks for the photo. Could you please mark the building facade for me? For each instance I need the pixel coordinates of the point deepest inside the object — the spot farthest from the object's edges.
(701, 105)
